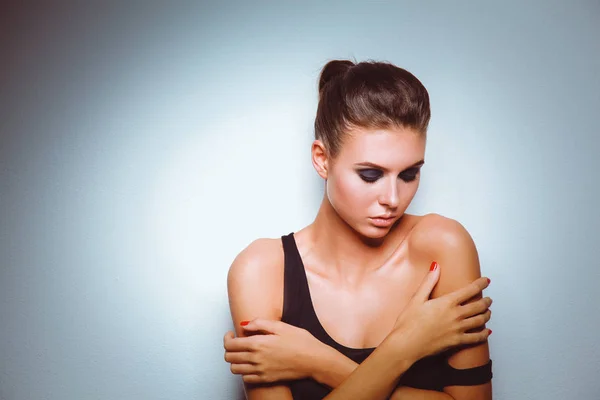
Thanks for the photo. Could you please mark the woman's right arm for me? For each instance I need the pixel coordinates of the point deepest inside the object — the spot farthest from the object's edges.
(255, 285)
(255, 290)
(424, 328)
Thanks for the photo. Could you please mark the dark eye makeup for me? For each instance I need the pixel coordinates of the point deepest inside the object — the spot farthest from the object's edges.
(409, 175)
(371, 175)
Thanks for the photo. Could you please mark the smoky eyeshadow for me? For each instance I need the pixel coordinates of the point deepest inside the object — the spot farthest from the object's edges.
(370, 175)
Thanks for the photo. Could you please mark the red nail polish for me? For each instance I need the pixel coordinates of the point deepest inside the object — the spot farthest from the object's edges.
(244, 323)
(490, 332)
(433, 266)
(488, 280)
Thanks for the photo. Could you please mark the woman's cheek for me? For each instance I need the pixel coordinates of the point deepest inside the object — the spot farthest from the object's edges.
(347, 197)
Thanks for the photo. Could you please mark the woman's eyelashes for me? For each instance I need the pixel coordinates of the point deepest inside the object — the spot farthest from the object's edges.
(409, 175)
(372, 175)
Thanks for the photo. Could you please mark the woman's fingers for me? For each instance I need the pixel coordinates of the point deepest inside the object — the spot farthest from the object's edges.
(239, 357)
(228, 335)
(477, 321)
(476, 287)
(239, 343)
(252, 378)
(260, 325)
(475, 337)
(428, 282)
(474, 308)
(243, 369)
(250, 373)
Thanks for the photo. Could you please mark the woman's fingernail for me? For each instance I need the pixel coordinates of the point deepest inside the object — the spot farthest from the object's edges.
(488, 280)
(433, 266)
(490, 332)
(244, 323)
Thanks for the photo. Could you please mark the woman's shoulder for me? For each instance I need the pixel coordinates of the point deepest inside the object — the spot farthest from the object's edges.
(255, 281)
(433, 233)
(446, 241)
(262, 257)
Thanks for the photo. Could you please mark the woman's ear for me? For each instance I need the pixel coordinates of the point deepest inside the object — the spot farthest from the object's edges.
(320, 159)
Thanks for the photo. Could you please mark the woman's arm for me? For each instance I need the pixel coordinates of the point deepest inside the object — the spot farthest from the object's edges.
(284, 357)
(288, 353)
(425, 327)
(336, 367)
(255, 283)
(448, 242)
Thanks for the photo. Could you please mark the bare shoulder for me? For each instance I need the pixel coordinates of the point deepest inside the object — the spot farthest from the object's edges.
(446, 241)
(258, 261)
(433, 232)
(255, 289)
(255, 281)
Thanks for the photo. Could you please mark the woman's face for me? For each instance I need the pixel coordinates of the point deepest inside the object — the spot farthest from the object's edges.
(375, 175)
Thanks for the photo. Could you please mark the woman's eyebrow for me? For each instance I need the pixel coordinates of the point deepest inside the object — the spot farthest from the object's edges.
(373, 165)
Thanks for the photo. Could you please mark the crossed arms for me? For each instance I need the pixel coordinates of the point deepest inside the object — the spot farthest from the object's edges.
(254, 284)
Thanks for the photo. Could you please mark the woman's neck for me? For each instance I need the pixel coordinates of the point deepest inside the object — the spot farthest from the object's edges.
(340, 251)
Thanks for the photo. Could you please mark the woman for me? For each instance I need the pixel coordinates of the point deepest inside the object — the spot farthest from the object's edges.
(355, 305)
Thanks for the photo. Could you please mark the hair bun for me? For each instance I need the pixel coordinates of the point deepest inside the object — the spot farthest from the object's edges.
(332, 70)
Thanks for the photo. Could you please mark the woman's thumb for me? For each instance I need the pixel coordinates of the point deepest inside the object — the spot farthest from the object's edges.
(429, 282)
(259, 325)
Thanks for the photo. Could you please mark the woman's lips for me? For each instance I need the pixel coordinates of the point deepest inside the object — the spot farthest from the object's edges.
(382, 222)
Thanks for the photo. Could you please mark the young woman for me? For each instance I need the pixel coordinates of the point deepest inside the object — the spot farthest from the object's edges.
(366, 302)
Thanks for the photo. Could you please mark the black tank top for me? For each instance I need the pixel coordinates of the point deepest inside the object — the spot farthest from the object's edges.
(432, 373)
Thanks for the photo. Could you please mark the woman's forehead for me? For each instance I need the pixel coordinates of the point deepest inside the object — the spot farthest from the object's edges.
(391, 147)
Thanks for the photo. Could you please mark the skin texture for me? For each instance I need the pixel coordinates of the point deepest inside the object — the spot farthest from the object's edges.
(344, 254)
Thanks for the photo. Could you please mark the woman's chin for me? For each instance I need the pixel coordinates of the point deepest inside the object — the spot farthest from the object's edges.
(375, 232)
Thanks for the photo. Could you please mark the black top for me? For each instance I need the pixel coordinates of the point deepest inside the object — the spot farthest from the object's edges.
(432, 373)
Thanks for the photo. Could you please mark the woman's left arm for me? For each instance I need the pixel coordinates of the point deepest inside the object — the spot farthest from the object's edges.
(435, 238)
(446, 241)
(294, 353)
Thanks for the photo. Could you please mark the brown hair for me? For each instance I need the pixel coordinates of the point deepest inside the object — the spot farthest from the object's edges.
(369, 94)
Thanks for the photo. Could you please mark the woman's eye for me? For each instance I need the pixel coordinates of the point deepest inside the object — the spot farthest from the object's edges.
(409, 176)
(369, 175)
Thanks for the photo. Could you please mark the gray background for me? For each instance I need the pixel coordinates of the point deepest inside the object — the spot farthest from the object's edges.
(143, 146)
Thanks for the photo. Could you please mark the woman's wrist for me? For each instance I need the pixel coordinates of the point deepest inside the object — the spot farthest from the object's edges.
(331, 367)
(382, 369)
(403, 352)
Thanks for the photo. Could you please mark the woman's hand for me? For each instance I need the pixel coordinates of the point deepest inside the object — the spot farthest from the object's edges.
(273, 351)
(432, 326)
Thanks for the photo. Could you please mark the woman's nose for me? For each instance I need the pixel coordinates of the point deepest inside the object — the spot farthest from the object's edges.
(390, 196)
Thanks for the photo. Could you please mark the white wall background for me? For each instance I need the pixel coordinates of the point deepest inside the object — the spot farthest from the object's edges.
(143, 146)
